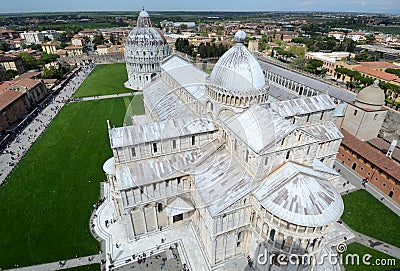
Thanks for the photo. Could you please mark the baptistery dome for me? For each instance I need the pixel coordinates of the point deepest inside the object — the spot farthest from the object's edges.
(238, 75)
(145, 48)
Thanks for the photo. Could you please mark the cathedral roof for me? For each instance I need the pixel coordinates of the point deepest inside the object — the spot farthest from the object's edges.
(179, 206)
(260, 128)
(186, 75)
(221, 181)
(151, 170)
(164, 103)
(303, 105)
(161, 130)
(301, 196)
(238, 71)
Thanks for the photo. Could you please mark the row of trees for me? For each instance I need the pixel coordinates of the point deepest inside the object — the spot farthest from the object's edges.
(393, 71)
(211, 50)
(183, 46)
(55, 73)
(31, 63)
(356, 79)
(205, 50)
(322, 43)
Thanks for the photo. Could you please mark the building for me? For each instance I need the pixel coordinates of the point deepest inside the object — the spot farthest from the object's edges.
(246, 174)
(382, 52)
(253, 46)
(146, 47)
(50, 47)
(102, 49)
(13, 105)
(356, 36)
(35, 89)
(35, 37)
(9, 62)
(74, 50)
(337, 35)
(372, 164)
(378, 75)
(330, 60)
(364, 118)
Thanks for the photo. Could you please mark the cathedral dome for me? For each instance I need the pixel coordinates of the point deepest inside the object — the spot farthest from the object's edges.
(371, 95)
(238, 71)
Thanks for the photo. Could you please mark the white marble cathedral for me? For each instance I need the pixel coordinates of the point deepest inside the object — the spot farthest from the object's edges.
(248, 172)
(146, 47)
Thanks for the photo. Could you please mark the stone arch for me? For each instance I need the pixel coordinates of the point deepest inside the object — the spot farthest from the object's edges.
(209, 106)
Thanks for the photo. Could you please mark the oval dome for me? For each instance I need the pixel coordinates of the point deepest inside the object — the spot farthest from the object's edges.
(238, 70)
(371, 95)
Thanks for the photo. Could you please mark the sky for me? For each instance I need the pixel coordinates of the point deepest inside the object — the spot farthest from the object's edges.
(374, 6)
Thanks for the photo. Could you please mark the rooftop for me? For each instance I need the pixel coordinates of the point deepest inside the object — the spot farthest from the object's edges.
(370, 153)
(260, 128)
(379, 74)
(8, 97)
(300, 195)
(331, 90)
(158, 131)
(303, 105)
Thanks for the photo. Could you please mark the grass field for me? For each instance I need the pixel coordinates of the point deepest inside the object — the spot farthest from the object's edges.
(376, 258)
(105, 79)
(367, 215)
(46, 204)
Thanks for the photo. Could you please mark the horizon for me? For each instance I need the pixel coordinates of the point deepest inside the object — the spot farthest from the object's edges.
(305, 6)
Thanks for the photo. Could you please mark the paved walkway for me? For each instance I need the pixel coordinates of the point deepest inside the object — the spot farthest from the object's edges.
(377, 245)
(93, 98)
(10, 157)
(56, 265)
(356, 180)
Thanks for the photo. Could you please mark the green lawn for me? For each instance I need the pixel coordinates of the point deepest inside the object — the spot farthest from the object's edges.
(378, 260)
(93, 267)
(367, 215)
(46, 204)
(105, 79)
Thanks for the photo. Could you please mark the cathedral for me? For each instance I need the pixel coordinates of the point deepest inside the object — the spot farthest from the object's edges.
(247, 172)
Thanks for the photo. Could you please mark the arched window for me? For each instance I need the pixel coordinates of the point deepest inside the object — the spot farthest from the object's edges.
(159, 207)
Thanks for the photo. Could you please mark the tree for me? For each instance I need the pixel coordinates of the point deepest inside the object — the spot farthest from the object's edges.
(314, 66)
(47, 58)
(28, 60)
(54, 73)
(10, 74)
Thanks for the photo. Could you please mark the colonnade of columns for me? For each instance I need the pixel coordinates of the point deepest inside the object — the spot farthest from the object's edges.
(236, 100)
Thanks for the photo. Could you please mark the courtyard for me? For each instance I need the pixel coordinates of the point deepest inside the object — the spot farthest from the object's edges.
(105, 79)
(47, 202)
(378, 261)
(367, 215)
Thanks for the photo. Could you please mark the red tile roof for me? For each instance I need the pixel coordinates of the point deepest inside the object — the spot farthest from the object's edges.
(378, 65)
(8, 97)
(379, 74)
(373, 155)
